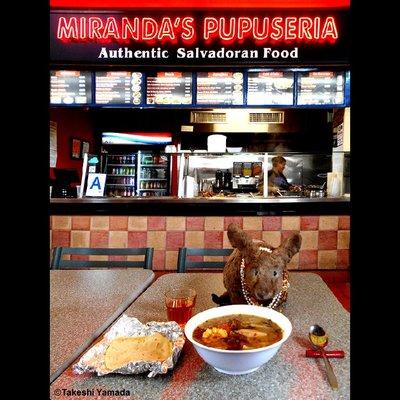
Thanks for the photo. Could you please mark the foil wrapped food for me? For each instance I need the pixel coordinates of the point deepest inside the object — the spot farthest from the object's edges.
(94, 359)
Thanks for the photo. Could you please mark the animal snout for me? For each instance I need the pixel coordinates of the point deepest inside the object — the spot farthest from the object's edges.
(264, 295)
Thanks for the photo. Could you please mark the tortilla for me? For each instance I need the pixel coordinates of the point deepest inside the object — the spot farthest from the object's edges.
(126, 349)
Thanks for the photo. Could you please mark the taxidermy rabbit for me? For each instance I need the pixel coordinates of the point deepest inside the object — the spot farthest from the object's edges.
(256, 272)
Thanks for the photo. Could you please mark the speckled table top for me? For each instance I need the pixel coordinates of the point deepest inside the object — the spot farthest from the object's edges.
(83, 303)
(289, 375)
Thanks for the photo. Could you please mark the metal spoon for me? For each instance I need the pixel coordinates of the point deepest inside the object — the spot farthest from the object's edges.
(319, 339)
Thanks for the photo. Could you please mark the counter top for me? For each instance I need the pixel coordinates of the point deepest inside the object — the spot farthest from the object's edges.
(198, 200)
(83, 303)
(174, 206)
(288, 376)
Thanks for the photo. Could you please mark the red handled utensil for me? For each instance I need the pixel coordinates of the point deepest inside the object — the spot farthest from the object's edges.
(329, 354)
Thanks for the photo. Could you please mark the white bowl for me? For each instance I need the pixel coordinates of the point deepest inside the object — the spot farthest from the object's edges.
(237, 362)
(234, 149)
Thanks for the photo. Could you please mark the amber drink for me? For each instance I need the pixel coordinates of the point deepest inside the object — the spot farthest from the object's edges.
(180, 304)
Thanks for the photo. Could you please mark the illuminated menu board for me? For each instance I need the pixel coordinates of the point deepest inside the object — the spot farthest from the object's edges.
(270, 87)
(118, 87)
(220, 88)
(322, 87)
(169, 88)
(70, 87)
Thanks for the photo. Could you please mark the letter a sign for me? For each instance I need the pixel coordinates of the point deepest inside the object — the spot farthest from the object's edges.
(95, 184)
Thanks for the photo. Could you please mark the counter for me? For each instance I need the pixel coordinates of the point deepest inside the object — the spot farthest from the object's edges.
(174, 206)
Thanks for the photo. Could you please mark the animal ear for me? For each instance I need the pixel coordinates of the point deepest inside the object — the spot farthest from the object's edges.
(242, 241)
(238, 238)
(290, 246)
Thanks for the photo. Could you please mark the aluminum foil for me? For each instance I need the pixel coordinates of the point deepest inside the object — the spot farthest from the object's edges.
(93, 359)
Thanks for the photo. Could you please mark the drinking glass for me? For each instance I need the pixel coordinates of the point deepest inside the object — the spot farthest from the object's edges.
(180, 303)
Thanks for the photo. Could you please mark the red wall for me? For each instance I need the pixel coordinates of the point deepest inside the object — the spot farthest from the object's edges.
(71, 123)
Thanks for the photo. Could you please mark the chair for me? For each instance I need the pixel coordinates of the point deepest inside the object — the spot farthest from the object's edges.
(185, 252)
(58, 263)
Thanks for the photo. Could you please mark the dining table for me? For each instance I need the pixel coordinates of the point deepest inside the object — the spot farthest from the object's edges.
(83, 304)
(288, 375)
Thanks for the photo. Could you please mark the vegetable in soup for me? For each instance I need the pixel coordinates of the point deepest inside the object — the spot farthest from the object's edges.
(238, 332)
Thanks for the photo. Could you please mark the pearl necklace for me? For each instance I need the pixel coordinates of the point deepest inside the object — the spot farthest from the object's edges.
(276, 300)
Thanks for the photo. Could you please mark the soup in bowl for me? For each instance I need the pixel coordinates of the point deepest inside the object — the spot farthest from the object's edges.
(238, 339)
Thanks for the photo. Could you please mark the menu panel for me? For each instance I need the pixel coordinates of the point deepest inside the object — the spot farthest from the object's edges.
(270, 88)
(169, 88)
(322, 87)
(118, 87)
(70, 87)
(223, 88)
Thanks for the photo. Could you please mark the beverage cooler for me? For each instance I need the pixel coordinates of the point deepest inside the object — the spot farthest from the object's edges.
(121, 175)
(153, 174)
(141, 174)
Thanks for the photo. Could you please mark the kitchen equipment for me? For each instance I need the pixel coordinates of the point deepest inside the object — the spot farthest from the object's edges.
(317, 193)
(319, 339)
(227, 180)
(237, 168)
(234, 149)
(244, 184)
(314, 190)
(288, 193)
(216, 143)
(246, 176)
(247, 169)
(219, 180)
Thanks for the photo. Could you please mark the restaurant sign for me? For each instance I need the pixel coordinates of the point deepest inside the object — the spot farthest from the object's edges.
(182, 38)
